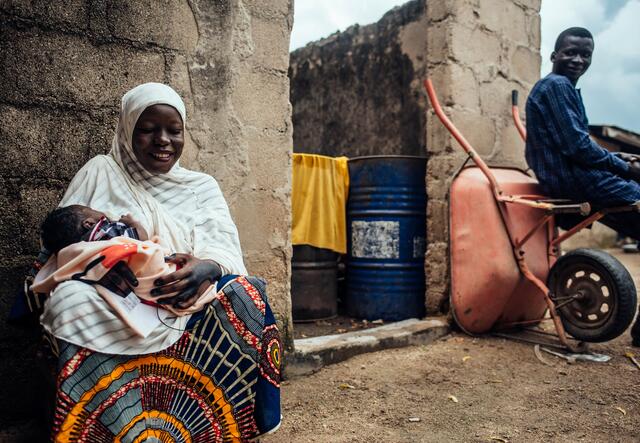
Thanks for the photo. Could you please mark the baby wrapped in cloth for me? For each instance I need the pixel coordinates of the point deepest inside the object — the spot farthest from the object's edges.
(107, 244)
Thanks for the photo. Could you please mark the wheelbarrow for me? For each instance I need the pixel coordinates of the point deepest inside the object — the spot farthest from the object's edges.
(507, 270)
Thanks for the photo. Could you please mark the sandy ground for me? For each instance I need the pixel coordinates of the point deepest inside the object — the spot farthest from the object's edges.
(465, 389)
(337, 325)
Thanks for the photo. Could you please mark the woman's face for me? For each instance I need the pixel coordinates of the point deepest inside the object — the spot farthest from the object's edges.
(158, 138)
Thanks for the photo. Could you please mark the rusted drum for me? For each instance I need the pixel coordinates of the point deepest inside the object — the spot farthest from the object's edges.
(386, 221)
(314, 283)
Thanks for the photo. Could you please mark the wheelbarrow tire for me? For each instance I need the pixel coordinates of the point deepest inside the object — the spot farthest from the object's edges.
(607, 295)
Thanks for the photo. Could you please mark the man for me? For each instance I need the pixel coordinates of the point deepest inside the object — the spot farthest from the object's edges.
(567, 163)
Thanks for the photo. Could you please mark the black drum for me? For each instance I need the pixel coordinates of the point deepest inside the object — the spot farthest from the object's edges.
(314, 283)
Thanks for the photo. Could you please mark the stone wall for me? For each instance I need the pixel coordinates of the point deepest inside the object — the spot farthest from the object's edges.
(357, 92)
(64, 67)
(478, 51)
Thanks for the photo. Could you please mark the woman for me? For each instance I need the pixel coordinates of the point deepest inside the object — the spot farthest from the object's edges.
(208, 377)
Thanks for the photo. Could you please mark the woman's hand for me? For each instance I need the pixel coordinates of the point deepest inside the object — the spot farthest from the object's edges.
(119, 279)
(190, 281)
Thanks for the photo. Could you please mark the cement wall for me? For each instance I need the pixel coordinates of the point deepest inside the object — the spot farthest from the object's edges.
(63, 69)
(357, 92)
(478, 51)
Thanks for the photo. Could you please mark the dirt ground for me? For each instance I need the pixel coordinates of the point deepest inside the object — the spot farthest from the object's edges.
(337, 325)
(465, 389)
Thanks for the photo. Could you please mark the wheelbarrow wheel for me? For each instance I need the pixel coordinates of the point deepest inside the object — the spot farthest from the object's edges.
(594, 293)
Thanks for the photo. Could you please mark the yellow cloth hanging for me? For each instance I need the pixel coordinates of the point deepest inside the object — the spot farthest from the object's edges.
(318, 201)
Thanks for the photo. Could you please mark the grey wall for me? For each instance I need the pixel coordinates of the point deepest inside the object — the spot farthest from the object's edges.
(357, 92)
(479, 51)
(63, 69)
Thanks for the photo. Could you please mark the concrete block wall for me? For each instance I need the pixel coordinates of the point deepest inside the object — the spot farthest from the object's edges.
(358, 92)
(63, 69)
(477, 52)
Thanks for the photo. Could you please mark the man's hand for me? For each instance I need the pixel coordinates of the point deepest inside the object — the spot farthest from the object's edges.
(190, 281)
(634, 171)
(629, 158)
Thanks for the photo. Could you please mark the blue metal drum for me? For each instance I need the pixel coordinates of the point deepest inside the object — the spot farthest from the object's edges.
(386, 222)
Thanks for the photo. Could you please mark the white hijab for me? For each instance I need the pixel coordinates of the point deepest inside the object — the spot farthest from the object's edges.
(184, 208)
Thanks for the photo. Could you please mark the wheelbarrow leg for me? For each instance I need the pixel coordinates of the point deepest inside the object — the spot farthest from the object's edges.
(562, 336)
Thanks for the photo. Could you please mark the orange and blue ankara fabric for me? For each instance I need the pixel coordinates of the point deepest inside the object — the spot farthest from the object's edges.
(218, 383)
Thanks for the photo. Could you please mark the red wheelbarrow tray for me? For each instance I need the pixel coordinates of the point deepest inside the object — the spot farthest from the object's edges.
(504, 241)
(487, 287)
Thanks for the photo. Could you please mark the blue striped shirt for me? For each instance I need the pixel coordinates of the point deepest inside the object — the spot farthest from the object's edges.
(567, 163)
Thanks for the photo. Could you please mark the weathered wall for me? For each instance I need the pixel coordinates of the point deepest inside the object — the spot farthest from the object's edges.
(357, 92)
(478, 51)
(64, 67)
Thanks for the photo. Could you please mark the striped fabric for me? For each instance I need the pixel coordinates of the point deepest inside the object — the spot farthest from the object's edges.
(77, 314)
(184, 209)
(567, 163)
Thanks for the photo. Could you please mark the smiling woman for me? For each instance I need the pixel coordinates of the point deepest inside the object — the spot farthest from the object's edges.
(158, 138)
(212, 375)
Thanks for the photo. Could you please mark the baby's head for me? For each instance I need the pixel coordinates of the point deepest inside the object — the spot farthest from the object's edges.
(67, 225)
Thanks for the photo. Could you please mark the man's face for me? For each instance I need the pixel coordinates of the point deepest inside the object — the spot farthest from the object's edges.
(573, 57)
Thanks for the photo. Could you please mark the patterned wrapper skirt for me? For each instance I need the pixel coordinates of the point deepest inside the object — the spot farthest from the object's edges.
(218, 383)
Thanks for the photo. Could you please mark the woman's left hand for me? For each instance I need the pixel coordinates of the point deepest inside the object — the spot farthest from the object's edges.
(190, 281)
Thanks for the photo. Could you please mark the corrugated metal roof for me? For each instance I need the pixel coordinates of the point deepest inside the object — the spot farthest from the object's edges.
(616, 134)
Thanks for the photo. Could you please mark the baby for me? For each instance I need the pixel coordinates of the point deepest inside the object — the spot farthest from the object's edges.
(72, 224)
(87, 245)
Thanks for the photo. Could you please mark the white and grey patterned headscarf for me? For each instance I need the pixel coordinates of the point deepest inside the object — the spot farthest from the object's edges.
(185, 208)
(133, 105)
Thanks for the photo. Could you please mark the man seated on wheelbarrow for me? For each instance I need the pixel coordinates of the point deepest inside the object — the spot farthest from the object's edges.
(567, 163)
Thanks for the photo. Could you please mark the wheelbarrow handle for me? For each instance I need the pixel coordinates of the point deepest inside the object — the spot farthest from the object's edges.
(514, 97)
(466, 146)
(581, 208)
(515, 112)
